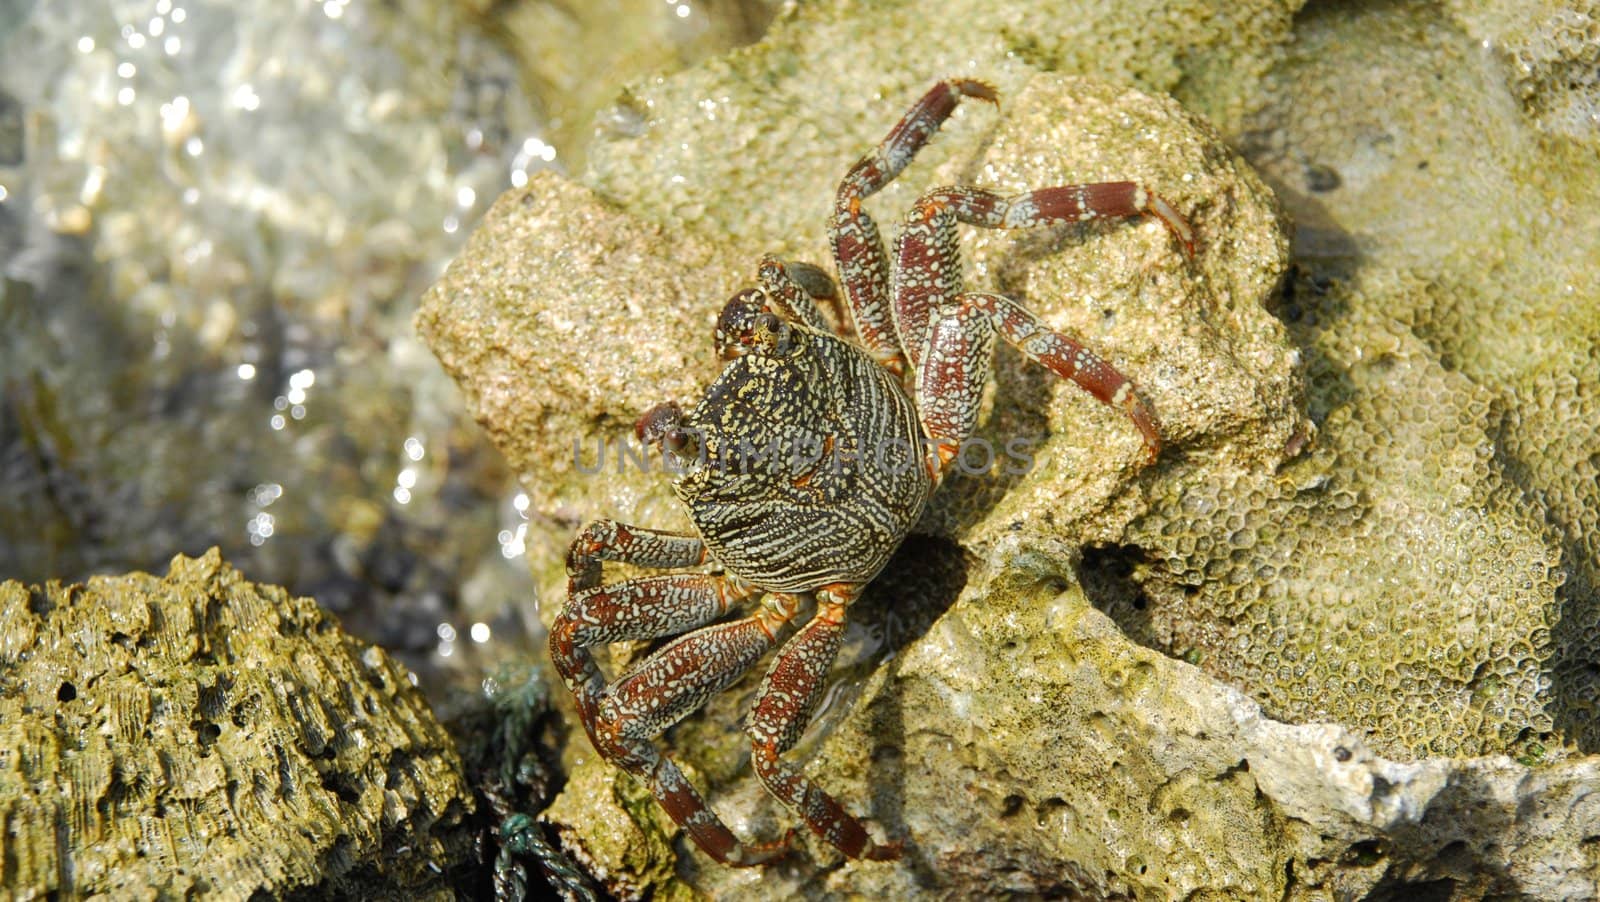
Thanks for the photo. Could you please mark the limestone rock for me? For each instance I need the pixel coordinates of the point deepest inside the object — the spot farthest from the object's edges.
(199, 734)
(615, 831)
(1024, 745)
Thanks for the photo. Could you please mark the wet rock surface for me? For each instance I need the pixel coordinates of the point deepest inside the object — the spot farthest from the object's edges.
(200, 734)
(214, 226)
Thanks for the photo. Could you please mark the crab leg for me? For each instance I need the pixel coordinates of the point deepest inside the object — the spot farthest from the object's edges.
(609, 540)
(950, 380)
(665, 688)
(928, 270)
(795, 288)
(688, 809)
(783, 706)
(857, 247)
(646, 608)
(950, 385)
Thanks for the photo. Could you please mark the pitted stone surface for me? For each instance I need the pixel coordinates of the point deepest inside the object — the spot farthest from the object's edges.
(197, 734)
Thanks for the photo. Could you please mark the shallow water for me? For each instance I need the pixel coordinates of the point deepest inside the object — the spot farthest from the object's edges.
(214, 227)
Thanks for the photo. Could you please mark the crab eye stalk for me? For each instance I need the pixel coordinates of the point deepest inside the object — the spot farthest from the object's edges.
(682, 442)
(771, 335)
(663, 424)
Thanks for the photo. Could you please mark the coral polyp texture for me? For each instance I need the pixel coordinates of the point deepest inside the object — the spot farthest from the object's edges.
(1550, 55)
(1445, 647)
(1429, 571)
(197, 734)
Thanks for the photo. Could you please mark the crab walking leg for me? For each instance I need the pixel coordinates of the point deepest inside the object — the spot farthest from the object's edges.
(880, 165)
(667, 687)
(927, 274)
(645, 608)
(950, 381)
(783, 706)
(688, 809)
(609, 540)
(858, 249)
(950, 385)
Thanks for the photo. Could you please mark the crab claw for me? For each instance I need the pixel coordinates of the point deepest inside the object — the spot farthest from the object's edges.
(657, 422)
(736, 325)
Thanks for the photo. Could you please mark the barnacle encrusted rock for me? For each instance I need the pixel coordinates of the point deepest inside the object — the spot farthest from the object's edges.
(197, 734)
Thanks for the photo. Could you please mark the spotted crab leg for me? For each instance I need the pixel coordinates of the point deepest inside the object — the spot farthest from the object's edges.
(950, 384)
(646, 608)
(668, 686)
(858, 249)
(608, 540)
(783, 706)
(794, 290)
(949, 336)
(928, 260)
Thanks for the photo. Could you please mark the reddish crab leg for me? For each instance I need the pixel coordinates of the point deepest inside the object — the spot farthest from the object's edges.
(950, 343)
(688, 809)
(680, 676)
(783, 706)
(644, 608)
(951, 383)
(950, 380)
(608, 540)
(668, 686)
(880, 165)
(857, 247)
(634, 609)
(928, 262)
(1052, 206)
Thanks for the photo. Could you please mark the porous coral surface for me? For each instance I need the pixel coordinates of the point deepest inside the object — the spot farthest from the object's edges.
(1427, 572)
(197, 734)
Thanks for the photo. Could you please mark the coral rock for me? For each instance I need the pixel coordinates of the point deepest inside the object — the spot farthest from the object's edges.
(199, 734)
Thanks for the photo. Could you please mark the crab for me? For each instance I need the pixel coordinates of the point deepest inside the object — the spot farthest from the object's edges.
(803, 467)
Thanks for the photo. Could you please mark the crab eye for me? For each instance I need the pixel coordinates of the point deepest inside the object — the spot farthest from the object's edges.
(680, 442)
(769, 334)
